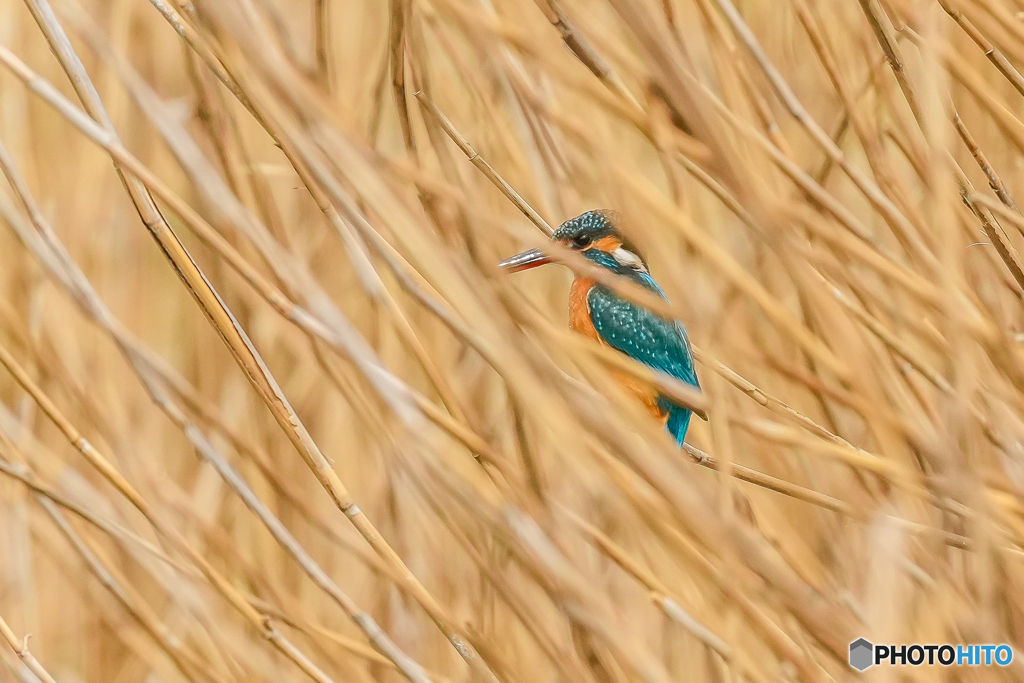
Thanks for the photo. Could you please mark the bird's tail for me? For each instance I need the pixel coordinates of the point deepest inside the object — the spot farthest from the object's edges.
(678, 420)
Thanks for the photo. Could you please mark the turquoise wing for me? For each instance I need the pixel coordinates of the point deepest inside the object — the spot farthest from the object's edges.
(649, 339)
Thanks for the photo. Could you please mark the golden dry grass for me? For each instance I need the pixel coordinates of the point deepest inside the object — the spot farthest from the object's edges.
(268, 410)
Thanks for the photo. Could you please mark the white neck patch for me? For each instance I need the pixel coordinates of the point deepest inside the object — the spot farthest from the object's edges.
(624, 257)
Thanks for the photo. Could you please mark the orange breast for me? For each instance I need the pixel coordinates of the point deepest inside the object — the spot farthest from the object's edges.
(579, 311)
(579, 320)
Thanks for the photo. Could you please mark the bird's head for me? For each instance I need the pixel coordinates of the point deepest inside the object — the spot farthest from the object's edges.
(594, 235)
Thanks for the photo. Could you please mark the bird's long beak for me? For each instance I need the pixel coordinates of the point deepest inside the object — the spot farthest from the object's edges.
(524, 261)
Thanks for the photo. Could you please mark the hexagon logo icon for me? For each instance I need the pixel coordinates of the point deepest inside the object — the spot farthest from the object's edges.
(861, 654)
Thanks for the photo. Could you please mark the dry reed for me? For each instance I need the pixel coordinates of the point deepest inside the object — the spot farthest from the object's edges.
(268, 410)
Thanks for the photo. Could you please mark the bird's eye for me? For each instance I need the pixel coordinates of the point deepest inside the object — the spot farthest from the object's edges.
(581, 241)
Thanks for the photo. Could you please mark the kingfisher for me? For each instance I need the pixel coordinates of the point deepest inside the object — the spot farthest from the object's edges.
(599, 313)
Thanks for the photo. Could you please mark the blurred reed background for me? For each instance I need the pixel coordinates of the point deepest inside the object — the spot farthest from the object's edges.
(270, 412)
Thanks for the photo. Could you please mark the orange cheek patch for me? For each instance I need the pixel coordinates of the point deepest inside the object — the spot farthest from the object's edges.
(608, 244)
